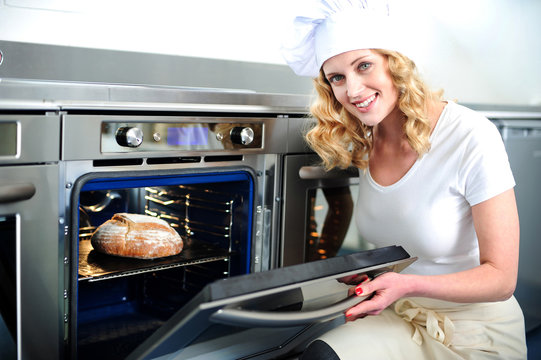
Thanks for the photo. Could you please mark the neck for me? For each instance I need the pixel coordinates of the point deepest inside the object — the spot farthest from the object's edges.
(391, 128)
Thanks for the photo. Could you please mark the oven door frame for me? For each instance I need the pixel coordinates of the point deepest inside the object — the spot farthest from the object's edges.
(73, 171)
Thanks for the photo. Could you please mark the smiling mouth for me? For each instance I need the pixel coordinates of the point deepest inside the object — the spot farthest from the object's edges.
(367, 102)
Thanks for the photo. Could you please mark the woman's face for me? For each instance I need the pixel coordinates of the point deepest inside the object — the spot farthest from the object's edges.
(361, 82)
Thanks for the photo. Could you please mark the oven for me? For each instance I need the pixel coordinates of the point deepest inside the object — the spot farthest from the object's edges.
(203, 174)
(220, 167)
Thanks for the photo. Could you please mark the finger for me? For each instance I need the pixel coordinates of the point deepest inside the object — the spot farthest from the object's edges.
(354, 313)
(364, 288)
(355, 317)
(374, 312)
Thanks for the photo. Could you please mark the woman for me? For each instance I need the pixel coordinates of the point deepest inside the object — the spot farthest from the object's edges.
(434, 178)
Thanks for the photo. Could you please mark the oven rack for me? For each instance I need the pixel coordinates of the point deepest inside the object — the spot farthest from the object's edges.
(96, 266)
(203, 213)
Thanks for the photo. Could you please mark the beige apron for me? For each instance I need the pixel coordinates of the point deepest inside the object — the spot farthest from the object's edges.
(421, 328)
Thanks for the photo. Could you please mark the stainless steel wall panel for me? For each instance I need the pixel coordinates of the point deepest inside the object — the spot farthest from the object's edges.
(50, 92)
(67, 63)
(522, 140)
(296, 132)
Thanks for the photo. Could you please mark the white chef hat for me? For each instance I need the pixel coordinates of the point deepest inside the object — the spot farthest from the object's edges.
(325, 28)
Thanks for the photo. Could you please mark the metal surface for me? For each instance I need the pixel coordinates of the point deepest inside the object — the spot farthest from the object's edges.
(522, 139)
(95, 266)
(70, 63)
(18, 93)
(36, 140)
(16, 192)
(39, 261)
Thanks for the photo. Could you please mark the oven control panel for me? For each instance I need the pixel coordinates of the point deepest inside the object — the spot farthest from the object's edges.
(190, 136)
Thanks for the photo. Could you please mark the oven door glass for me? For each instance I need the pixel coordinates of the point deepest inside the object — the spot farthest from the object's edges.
(268, 314)
(8, 289)
(318, 211)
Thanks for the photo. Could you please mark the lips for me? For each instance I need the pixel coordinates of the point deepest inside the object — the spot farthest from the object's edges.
(366, 103)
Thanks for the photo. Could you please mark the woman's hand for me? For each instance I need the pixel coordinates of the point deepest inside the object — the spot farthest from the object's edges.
(384, 290)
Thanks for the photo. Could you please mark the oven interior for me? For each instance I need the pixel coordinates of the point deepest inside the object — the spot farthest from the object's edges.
(121, 301)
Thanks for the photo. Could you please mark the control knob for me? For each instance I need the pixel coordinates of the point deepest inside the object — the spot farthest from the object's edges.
(129, 136)
(242, 135)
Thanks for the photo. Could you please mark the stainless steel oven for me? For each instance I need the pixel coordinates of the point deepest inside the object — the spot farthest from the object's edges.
(193, 171)
(212, 164)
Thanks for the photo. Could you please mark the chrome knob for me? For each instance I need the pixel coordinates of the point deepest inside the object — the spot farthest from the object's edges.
(242, 135)
(129, 136)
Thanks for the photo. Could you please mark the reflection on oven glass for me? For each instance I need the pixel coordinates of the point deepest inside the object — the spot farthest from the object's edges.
(330, 229)
(322, 294)
(8, 139)
(8, 300)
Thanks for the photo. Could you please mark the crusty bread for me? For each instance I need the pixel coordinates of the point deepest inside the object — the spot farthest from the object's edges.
(137, 236)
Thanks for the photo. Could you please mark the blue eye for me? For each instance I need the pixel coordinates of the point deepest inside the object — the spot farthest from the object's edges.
(336, 78)
(364, 66)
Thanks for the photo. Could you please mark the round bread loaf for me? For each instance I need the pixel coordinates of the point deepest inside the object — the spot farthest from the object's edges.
(136, 236)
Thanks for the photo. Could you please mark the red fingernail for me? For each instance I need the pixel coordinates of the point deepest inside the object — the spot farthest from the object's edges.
(358, 291)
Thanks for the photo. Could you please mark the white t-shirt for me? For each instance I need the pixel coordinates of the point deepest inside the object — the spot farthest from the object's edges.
(428, 211)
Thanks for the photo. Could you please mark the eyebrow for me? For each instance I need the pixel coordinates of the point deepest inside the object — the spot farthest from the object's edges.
(359, 58)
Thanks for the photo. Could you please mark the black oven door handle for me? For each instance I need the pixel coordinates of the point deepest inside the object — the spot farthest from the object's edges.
(253, 318)
(16, 192)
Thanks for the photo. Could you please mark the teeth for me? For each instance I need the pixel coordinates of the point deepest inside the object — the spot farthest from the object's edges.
(366, 102)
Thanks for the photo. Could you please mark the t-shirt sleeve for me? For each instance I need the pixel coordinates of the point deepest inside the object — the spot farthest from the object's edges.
(485, 170)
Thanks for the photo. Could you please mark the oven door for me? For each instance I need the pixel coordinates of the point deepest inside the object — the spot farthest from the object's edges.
(318, 211)
(271, 314)
(29, 263)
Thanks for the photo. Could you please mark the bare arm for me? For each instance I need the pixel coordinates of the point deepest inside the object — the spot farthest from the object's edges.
(497, 227)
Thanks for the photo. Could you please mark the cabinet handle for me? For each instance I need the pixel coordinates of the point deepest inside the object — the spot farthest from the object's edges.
(253, 318)
(16, 192)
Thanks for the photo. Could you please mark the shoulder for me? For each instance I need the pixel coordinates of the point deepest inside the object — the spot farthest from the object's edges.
(466, 118)
(464, 124)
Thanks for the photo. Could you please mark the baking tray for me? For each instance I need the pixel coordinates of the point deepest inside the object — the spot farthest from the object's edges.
(94, 266)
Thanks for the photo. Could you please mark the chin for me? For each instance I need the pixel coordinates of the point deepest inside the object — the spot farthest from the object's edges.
(369, 120)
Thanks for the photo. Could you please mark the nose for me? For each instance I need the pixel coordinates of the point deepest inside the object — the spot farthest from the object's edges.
(355, 87)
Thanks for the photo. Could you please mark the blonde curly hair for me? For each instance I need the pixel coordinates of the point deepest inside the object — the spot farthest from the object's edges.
(341, 140)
